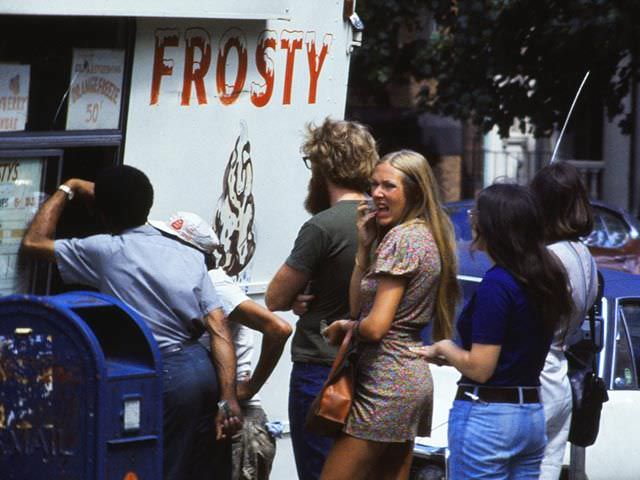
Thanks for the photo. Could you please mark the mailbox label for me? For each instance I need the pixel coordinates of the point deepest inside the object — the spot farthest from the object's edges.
(42, 404)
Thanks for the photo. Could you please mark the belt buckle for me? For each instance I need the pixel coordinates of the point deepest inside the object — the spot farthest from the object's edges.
(473, 395)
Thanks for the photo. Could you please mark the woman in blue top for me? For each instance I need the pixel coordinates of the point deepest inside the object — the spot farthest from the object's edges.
(496, 425)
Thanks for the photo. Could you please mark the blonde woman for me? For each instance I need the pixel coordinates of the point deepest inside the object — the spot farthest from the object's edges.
(407, 282)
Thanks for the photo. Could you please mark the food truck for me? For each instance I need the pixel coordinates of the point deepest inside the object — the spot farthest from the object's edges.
(210, 99)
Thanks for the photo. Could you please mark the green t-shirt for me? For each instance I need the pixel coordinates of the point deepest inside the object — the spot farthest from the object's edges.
(326, 250)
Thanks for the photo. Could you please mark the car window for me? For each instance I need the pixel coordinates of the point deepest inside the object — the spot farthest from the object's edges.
(609, 230)
(631, 312)
(625, 369)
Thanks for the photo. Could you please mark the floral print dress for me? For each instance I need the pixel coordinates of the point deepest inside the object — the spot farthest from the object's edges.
(393, 397)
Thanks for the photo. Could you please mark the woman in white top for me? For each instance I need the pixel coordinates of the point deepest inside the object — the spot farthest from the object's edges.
(568, 217)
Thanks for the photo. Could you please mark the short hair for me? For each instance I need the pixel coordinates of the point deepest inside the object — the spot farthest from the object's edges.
(565, 204)
(124, 195)
(345, 152)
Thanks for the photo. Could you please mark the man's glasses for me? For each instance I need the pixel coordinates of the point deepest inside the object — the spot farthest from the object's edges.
(307, 161)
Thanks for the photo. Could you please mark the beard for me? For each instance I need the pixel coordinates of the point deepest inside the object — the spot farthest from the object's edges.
(318, 195)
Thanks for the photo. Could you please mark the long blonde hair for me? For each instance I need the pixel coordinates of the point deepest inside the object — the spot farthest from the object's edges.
(423, 203)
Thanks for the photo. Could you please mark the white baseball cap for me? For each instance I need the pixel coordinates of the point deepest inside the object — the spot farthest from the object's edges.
(191, 228)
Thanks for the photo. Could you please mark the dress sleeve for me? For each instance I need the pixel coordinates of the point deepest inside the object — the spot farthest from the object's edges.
(401, 252)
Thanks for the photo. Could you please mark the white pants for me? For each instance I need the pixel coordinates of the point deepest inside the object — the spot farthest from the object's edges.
(556, 399)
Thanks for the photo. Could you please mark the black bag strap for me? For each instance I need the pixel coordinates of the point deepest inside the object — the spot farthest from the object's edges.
(593, 275)
(592, 319)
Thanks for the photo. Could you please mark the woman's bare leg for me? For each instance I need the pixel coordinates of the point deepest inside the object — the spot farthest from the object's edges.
(395, 464)
(352, 459)
(356, 459)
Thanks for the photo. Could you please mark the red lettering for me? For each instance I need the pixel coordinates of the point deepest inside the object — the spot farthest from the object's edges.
(165, 37)
(232, 38)
(316, 61)
(291, 41)
(261, 92)
(196, 38)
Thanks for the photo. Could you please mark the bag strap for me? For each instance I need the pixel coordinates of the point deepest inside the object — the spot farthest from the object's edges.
(592, 320)
(345, 351)
(585, 290)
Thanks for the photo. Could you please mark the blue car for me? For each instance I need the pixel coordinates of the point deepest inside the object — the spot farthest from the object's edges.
(614, 241)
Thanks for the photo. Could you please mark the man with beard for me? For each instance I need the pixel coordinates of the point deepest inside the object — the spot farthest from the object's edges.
(314, 280)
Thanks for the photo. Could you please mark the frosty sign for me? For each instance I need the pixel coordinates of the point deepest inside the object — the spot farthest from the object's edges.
(223, 68)
(95, 92)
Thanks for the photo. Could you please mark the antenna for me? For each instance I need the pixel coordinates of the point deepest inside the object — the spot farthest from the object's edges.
(575, 99)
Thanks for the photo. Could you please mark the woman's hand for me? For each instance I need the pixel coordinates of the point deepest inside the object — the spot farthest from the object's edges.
(367, 228)
(431, 353)
(335, 332)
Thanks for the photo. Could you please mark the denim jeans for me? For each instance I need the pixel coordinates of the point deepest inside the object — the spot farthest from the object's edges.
(190, 395)
(310, 450)
(495, 440)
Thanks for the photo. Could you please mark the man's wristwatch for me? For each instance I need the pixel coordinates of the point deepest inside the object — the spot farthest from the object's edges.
(223, 406)
(64, 188)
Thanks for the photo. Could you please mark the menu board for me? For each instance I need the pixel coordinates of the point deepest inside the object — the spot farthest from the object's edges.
(95, 92)
(20, 197)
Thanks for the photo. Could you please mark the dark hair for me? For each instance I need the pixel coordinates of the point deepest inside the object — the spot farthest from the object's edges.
(508, 223)
(124, 195)
(564, 201)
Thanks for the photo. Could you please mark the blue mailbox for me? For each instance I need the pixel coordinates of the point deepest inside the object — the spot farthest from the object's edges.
(80, 390)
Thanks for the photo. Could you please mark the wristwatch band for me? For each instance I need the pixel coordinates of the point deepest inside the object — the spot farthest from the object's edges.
(223, 406)
(67, 191)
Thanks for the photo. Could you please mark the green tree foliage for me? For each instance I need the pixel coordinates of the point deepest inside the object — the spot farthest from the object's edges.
(394, 46)
(500, 60)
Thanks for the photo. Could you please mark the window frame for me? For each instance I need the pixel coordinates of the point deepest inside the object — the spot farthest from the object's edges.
(620, 318)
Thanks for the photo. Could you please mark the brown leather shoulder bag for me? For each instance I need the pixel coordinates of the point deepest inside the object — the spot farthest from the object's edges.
(330, 409)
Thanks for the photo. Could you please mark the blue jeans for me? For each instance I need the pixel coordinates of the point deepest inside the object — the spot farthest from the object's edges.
(495, 440)
(310, 450)
(190, 395)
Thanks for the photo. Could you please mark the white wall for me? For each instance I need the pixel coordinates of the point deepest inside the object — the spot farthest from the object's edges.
(185, 148)
(153, 8)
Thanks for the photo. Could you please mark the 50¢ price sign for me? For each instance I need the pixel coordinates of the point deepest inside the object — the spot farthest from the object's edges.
(95, 92)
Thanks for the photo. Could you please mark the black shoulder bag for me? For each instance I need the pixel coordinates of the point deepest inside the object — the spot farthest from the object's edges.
(588, 390)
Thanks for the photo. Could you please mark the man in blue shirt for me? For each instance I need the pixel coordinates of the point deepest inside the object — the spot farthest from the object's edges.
(166, 283)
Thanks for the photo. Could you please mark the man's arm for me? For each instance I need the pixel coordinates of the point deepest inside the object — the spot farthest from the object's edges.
(224, 359)
(39, 239)
(275, 332)
(284, 287)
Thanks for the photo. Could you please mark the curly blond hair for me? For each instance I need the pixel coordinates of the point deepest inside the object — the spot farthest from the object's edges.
(343, 151)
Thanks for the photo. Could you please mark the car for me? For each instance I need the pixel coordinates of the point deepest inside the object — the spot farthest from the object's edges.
(614, 455)
(614, 241)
